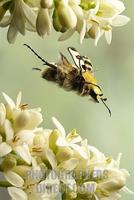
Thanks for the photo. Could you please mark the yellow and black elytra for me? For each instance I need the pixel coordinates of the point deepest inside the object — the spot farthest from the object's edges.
(77, 77)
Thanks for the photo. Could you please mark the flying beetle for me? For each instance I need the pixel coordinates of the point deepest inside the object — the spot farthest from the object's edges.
(77, 77)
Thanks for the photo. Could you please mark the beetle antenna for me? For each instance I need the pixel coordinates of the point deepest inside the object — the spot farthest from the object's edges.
(36, 68)
(103, 101)
(39, 57)
(92, 84)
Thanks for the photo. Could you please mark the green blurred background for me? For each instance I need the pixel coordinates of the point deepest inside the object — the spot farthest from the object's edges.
(114, 66)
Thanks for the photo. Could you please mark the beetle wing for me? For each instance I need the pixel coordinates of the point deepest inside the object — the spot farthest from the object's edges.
(64, 65)
(64, 60)
(77, 58)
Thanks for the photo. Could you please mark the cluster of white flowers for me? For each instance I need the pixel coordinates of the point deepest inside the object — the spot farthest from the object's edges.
(38, 163)
(90, 18)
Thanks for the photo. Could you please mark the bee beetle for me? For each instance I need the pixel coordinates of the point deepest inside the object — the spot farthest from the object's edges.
(77, 77)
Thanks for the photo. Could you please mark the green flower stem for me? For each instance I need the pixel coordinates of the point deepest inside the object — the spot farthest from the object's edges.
(88, 6)
(5, 184)
(1, 170)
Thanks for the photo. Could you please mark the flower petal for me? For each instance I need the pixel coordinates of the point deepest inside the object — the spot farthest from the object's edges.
(43, 22)
(69, 182)
(23, 152)
(29, 27)
(52, 178)
(35, 165)
(8, 130)
(12, 32)
(113, 196)
(2, 113)
(26, 136)
(29, 14)
(5, 21)
(83, 31)
(59, 126)
(51, 158)
(69, 164)
(108, 36)
(90, 187)
(118, 160)
(76, 140)
(99, 157)
(67, 34)
(35, 119)
(9, 101)
(4, 149)
(118, 5)
(120, 20)
(17, 193)
(18, 100)
(61, 142)
(18, 17)
(97, 35)
(51, 182)
(79, 150)
(14, 178)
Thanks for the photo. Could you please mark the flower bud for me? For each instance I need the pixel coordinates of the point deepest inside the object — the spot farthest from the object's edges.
(67, 16)
(46, 3)
(43, 22)
(38, 140)
(64, 153)
(8, 163)
(8, 112)
(77, 10)
(56, 22)
(64, 29)
(22, 120)
(23, 170)
(80, 16)
(43, 167)
(92, 32)
(115, 181)
(52, 140)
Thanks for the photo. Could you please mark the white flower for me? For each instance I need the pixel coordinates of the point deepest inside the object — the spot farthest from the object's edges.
(43, 22)
(41, 163)
(91, 18)
(18, 125)
(14, 143)
(98, 20)
(21, 17)
(4, 149)
(14, 179)
(17, 193)
(104, 16)
(40, 142)
(20, 115)
(32, 188)
(80, 25)
(70, 140)
(103, 177)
